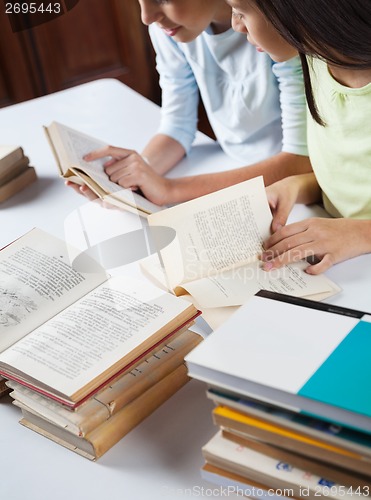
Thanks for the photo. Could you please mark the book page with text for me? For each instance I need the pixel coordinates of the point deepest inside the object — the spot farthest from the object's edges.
(216, 232)
(92, 336)
(71, 145)
(236, 286)
(37, 281)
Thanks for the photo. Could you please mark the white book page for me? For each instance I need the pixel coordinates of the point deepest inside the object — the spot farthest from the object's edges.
(69, 146)
(93, 334)
(236, 286)
(36, 282)
(216, 232)
(72, 145)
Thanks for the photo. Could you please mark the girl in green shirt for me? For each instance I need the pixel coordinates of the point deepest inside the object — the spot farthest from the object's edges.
(333, 40)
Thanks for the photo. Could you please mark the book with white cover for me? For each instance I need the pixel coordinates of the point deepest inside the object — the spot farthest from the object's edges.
(295, 353)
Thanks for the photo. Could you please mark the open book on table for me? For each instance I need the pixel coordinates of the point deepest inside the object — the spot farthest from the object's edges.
(214, 256)
(65, 332)
(69, 146)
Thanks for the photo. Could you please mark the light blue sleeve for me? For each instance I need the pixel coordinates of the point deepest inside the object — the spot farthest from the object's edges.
(180, 95)
(293, 106)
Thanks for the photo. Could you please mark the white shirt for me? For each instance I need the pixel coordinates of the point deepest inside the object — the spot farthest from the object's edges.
(256, 107)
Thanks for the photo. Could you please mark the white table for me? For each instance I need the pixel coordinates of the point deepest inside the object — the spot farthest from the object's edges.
(161, 458)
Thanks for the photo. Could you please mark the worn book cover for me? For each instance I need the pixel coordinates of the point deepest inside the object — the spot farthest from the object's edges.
(16, 184)
(97, 442)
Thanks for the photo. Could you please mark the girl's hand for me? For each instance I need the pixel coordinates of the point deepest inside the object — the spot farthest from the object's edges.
(282, 196)
(128, 169)
(82, 189)
(329, 240)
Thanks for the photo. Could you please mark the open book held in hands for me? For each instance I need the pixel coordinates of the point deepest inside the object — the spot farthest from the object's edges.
(66, 333)
(215, 254)
(69, 146)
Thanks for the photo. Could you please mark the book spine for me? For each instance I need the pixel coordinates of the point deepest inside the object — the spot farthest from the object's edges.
(116, 427)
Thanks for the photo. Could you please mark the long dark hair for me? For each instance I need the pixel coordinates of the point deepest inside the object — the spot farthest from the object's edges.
(337, 31)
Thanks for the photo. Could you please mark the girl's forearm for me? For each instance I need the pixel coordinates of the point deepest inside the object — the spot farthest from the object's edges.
(272, 169)
(163, 153)
(309, 190)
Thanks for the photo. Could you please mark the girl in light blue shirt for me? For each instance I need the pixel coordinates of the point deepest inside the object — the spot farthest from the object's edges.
(256, 107)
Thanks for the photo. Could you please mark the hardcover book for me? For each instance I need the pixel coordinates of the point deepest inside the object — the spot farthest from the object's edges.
(303, 355)
(65, 332)
(114, 396)
(273, 473)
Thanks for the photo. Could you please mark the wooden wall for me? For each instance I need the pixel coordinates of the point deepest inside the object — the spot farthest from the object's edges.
(95, 39)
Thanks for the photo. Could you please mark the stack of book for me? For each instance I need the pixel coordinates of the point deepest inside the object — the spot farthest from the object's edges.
(87, 357)
(3, 387)
(290, 379)
(93, 427)
(15, 171)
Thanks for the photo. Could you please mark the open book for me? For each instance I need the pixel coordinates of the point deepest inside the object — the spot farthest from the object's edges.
(66, 332)
(214, 256)
(69, 146)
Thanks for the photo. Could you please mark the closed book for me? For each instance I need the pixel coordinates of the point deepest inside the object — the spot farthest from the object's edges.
(273, 473)
(343, 437)
(24, 179)
(237, 484)
(296, 353)
(101, 439)
(14, 171)
(9, 155)
(3, 387)
(114, 396)
(318, 466)
(255, 428)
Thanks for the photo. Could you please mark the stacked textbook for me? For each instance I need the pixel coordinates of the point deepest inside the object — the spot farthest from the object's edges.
(100, 422)
(87, 357)
(15, 171)
(290, 379)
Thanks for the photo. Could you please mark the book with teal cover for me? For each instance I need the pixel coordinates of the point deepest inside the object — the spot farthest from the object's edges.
(295, 353)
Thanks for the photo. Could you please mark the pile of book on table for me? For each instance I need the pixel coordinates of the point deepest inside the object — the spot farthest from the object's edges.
(290, 379)
(87, 357)
(15, 171)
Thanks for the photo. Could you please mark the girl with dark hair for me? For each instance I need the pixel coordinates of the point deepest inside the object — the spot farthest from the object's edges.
(333, 39)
